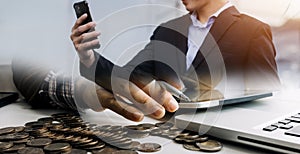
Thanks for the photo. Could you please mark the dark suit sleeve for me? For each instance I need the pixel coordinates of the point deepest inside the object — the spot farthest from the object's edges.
(261, 69)
(139, 70)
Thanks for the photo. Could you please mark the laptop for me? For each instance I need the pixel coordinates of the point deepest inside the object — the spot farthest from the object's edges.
(272, 123)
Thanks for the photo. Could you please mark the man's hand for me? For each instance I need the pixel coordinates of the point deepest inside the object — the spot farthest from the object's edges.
(85, 42)
(99, 99)
(152, 99)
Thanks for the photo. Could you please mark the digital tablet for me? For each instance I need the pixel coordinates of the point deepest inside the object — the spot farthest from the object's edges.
(213, 98)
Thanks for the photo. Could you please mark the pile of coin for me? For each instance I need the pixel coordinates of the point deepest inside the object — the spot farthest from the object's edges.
(68, 133)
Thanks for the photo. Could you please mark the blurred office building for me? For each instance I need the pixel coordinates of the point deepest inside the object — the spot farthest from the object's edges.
(44, 27)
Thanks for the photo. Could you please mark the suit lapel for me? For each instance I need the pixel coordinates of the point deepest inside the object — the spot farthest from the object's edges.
(182, 33)
(181, 41)
(219, 28)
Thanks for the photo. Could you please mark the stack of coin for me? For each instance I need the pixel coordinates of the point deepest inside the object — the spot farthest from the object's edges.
(195, 142)
(68, 133)
(190, 140)
(137, 131)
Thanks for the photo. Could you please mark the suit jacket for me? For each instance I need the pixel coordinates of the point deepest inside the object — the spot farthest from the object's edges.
(237, 46)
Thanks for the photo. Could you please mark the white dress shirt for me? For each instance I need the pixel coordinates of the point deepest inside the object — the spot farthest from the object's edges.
(197, 33)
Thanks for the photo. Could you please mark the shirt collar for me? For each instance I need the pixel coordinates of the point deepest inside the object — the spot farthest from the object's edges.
(211, 19)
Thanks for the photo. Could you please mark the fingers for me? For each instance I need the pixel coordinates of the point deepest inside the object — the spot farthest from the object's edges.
(140, 99)
(82, 48)
(85, 93)
(79, 21)
(83, 28)
(147, 104)
(89, 94)
(85, 38)
(108, 101)
(162, 96)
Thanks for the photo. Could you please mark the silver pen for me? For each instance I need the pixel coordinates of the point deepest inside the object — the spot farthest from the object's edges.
(174, 91)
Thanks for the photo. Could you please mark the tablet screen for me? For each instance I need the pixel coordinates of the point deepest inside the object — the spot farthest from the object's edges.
(209, 95)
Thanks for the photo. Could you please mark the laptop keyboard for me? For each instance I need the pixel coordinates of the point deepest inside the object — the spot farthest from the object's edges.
(286, 124)
(294, 132)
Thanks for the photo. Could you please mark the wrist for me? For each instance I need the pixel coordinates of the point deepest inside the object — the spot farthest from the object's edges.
(88, 60)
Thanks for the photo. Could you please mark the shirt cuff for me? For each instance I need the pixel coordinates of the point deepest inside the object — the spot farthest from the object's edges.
(60, 90)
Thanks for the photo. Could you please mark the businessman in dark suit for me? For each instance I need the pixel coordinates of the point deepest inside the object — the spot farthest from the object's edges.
(213, 41)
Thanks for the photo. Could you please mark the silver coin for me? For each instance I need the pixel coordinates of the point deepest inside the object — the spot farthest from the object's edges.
(179, 140)
(39, 142)
(86, 145)
(19, 129)
(132, 146)
(201, 139)
(146, 126)
(191, 147)
(23, 141)
(15, 148)
(149, 147)
(121, 141)
(105, 150)
(210, 146)
(164, 125)
(156, 132)
(57, 147)
(78, 151)
(124, 152)
(133, 127)
(191, 139)
(31, 150)
(115, 128)
(98, 146)
(14, 136)
(183, 134)
(7, 130)
(112, 138)
(138, 134)
(5, 145)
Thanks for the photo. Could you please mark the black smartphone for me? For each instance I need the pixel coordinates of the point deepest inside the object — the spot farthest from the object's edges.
(82, 8)
(7, 98)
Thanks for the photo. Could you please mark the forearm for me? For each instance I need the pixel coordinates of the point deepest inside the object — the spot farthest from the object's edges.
(99, 72)
(102, 71)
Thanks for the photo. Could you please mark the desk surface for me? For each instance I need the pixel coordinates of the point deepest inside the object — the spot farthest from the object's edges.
(18, 114)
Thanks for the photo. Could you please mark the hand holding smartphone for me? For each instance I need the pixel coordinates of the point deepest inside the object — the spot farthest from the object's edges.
(82, 8)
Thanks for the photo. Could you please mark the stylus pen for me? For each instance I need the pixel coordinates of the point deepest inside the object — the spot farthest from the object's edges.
(174, 91)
